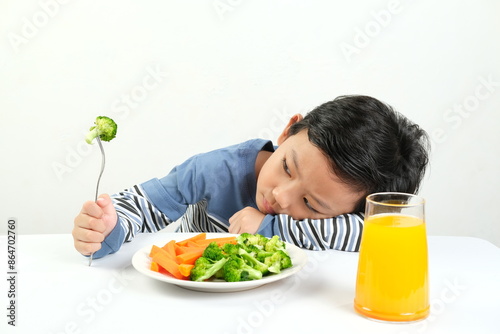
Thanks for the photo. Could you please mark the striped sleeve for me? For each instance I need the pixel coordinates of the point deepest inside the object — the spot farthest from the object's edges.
(137, 214)
(340, 233)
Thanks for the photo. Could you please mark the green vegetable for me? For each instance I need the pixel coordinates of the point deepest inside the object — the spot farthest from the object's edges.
(247, 239)
(237, 270)
(253, 262)
(213, 252)
(231, 248)
(104, 127)
(278, 261)
(205, 268)
(274, 244)
(252, 257)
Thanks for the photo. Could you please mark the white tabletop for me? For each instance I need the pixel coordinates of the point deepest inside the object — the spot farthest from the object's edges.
(58, 293)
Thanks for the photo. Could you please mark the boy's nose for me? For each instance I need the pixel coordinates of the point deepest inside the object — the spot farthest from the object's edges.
(283, 197)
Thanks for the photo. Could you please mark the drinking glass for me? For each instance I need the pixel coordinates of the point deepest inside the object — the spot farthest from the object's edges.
(392, 281)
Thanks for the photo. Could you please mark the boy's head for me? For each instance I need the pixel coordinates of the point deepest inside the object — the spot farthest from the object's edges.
(369, 145)
(346, 149)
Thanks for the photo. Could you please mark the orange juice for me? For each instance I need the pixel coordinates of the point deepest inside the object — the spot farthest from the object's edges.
(392, 281)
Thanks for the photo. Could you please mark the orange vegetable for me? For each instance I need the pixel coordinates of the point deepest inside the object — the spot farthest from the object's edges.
(190, 257)
(178, 249)
(185, 269)
(165, 261)
(154, 250)
(219, 241)
(191, 244)
(186, 249)
(170, 249)
(155, 267)
(200, 236)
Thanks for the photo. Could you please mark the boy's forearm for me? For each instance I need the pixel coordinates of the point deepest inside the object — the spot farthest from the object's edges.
(135, 214)
(339, 233)
(268, 225)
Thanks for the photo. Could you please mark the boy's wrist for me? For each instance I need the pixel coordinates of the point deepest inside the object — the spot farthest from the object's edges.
(112, 242)
(266, 227)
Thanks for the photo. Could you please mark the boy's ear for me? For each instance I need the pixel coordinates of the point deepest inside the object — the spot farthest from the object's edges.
(284, 135)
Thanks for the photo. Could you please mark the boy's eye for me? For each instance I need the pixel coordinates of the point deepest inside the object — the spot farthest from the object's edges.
(285, 167)
(306, 202)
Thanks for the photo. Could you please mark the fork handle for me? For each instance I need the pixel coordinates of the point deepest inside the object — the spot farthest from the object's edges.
(103, 163)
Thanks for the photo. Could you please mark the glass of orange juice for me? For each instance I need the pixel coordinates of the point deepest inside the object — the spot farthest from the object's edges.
(392, 282)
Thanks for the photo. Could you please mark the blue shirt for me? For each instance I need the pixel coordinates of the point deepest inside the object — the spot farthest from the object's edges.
(225, 178)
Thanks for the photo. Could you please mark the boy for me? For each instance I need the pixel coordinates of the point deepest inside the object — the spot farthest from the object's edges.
(310, 190)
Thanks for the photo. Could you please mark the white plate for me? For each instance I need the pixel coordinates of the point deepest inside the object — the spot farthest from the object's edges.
(142, 262)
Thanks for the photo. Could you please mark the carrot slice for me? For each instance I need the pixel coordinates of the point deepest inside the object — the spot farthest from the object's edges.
(166, 262)
(185, 269)
(178, 249)
(170, 249)
(219, 241)
(200, 236)
(190, 257)
(186, 249)
(192, 244)
(155, 267)
(154, 250)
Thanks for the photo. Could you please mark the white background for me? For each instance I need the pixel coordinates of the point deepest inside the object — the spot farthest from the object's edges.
(184, 77)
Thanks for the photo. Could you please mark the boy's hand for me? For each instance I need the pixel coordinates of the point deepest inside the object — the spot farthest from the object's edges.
(95, 222)
(247, 220)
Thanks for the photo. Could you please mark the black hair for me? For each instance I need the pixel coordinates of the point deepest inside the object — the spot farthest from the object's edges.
(370, 145)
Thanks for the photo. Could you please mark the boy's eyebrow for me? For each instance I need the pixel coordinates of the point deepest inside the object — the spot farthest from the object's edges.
(297, 168)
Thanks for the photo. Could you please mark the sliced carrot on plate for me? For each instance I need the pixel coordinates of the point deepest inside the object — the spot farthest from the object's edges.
(185, 269)
(154, 250)
(190, 257)
(166, 262)
(170, 249)
(219, 241)
(183, 249)
(155, 267)
(197, 237)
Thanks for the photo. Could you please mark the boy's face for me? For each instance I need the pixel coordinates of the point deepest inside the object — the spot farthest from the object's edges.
(297, 180)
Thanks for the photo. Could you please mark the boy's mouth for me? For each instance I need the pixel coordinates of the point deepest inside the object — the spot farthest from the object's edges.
(269, 209)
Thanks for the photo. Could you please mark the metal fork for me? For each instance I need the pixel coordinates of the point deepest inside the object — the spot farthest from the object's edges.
(103, 163)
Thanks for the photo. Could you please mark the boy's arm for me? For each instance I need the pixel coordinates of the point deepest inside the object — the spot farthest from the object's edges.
(340, 233)
(135, 214)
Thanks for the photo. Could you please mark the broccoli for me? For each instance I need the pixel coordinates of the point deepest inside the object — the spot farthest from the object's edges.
(251, 258)
(253, 262)
(247, 239)
(237, 270)
(205, 268)
(104, 127)
(231, 248)
(253, 250)
(274, 244)
(213, 252)
(278, 261)
(261, 256)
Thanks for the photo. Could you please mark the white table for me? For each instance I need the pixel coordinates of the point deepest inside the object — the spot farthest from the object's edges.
(58, 293)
